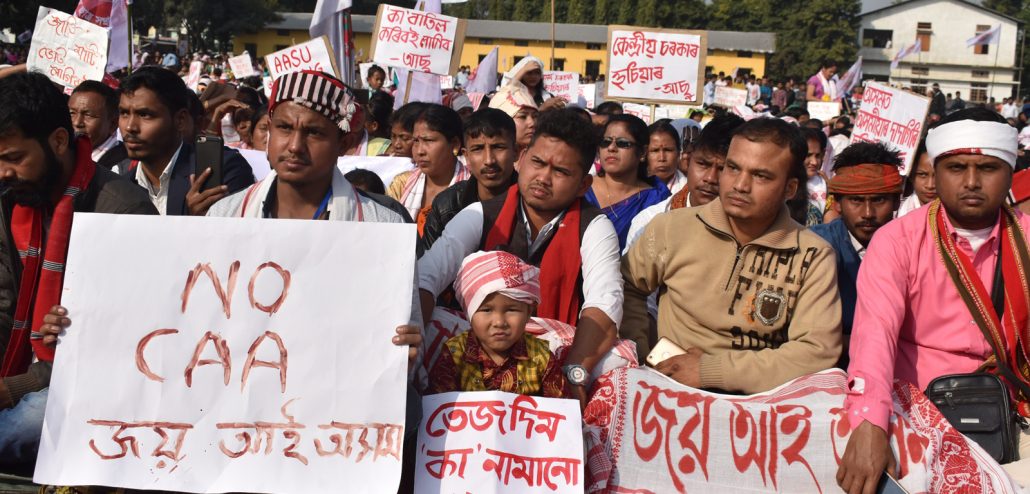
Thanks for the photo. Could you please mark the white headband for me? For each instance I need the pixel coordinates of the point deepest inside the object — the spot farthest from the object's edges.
(973, 137)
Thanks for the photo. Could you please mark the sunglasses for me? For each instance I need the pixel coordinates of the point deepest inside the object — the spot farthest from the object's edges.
(619, 143)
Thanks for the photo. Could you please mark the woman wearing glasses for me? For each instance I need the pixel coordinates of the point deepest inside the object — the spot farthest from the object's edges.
(622, 188)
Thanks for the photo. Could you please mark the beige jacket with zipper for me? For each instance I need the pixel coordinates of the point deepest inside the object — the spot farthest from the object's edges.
(763, 313)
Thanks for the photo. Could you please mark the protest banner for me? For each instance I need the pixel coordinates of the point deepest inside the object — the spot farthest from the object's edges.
(446, 82)
(729, 97)
(587, 95)
(648, 65)
(499, 442)
(891, 116)
(417, 40)
(823, 110)
(564, 85)
(193, 78)
(642, 112)
(316, 54)
(242, 66)
(243, 363)
(649, 433)
(66, 49)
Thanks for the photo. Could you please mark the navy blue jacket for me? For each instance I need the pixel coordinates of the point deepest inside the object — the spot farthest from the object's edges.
(836, 233)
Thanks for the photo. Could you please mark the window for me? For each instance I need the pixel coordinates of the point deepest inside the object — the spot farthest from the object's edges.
(877, 38)
(924, 30)
(282, 32)
(486, 41)
(559, 64)
(594, 46)
(978, 92)
(593, 68)
(516, 60)
(251, 48)
(521, 42)
(925, 26)
(559, 44)
(743, 72)
(920, 70)
(981, 49)
(981, 74)
(744, 54)
(919, 86)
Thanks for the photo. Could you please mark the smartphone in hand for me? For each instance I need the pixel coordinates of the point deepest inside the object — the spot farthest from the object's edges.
(664, 350)
(209, 156)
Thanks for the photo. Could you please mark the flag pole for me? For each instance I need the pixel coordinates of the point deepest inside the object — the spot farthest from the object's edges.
(128, 8)
(552, 35)
(994, 70)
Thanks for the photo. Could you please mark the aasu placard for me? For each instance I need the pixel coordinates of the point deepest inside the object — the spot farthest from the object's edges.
(649, 65)
(564, 85)
(66, 49)
(892, 116)
(417, 40)
(316, 54)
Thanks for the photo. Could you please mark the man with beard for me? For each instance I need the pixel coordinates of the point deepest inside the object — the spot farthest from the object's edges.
(155, 120)
(866, 190)
(94, 110)
(47, 175)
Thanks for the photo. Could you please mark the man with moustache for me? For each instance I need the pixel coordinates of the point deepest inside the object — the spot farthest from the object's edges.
(933, 285)
(747, 293)
(866, 189)
(47, 175)
(154, 119)
(94, 111)
(490, 157)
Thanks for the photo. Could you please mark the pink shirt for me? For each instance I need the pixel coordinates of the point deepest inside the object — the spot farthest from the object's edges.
(910, 322)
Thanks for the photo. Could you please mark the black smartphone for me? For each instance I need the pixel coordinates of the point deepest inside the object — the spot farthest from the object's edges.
(209, 156)
(888, 485)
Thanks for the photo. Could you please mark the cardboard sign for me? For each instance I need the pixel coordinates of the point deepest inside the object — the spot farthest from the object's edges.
(642, 112)
(417, 40)
(587, 95)
(891, 116)
(564, 85)
(215, 378)
(823, 110)
(499, 442)
(193, 79)
(729, 97)
(66, 49)
(241, 66)
(656, 65)
(316, 54)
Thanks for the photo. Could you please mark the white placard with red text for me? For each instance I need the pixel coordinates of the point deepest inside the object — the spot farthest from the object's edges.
(243, 363)
(892, 116)
(242, 66)
(66, 49)
(656, 65)
(730, 97)
(587, 95)
(499, 442)
(316, 54)
(417, 40)
(564, 85)
(193, 79)
(642, 112)
(823, 110)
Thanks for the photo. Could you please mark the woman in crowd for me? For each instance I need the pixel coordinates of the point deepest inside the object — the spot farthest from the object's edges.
(402, 125)
(622, 188)
(920, 184)
(663, 153)
(374, 122)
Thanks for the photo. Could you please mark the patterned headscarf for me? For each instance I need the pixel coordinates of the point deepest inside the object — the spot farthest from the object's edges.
(320, 92)
(485, 273)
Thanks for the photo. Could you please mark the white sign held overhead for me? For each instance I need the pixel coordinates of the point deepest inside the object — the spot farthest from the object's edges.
(892, 116)
(241, 66)
(564, 85)
(649, 65)
(823, 110)
(417, 40)
(729, 97)
(66, 49)
(316, 54)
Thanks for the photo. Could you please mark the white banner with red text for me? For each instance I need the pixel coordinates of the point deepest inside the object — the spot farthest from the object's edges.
(892, 116)
(648, 65)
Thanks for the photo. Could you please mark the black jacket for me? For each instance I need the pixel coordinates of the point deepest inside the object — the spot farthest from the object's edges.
(236, 173)
(113, 156)
(938, 103)
(448, 204)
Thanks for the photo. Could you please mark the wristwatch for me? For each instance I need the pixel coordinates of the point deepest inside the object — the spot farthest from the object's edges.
(576, 374)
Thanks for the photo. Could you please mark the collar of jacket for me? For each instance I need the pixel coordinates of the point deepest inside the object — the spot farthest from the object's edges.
(781, 235)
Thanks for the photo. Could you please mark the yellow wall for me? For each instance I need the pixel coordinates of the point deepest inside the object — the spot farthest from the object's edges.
(575, 54)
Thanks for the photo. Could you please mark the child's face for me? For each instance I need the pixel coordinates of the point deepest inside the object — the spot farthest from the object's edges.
(499, 323)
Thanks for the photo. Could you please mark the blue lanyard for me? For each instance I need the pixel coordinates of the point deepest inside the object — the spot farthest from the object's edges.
(325, 204)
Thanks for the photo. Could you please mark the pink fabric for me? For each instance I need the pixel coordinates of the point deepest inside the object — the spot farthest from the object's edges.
(818, 91)
(485, 273)
(910, 323)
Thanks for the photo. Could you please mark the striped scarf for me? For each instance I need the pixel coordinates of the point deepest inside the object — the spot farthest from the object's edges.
(1010, 335)
(42, 278)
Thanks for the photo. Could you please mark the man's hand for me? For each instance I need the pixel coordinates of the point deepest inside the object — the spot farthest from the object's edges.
(198, 202)
(579, 393)
(553, 103)
(54, 323)
(410, 336)
(685, 368)
(867, 455)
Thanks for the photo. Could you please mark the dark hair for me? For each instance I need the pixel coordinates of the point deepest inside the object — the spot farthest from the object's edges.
(406, 115)
(663, 127)
(490, 122)
(829, 63)
(716, 136)
(798, 205)
(795, 112)
(109, 95)
(638, 130)
(780, 133)
(29, 102)
(609, 108)
(809, 134)
(567, 126)
(261, 111)
(585, 115)
(168, 87)
(861, 153)
(375, 68)
(380, 109)
(248, 96)
(975, 113)
(441, 119)
(366, 180)
(910, 186)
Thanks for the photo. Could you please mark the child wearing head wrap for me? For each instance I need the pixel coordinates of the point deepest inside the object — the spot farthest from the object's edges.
(499, 293)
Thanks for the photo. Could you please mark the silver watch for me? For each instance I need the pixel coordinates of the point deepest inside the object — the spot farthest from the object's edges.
(576, 374)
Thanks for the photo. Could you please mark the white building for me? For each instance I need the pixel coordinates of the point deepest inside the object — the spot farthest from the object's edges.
(943, 26)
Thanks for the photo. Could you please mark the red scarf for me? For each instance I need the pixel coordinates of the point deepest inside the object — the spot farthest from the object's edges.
(560, 266)
(1010, 336)
(42, 278)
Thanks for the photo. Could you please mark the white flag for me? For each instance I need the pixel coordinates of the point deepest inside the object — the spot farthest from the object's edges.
(424, 87)
(484, 78)
(327, 20)
(852, 77)
(906, 51)
(989, 37)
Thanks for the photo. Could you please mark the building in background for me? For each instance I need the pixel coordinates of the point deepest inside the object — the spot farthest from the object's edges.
(942, 27)
(578, 47)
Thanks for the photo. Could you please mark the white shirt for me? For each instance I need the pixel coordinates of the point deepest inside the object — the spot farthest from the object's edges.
(160, 196)
(678, 182)
(911, 203)
(859, 248)
(599, 249)
(976, 238)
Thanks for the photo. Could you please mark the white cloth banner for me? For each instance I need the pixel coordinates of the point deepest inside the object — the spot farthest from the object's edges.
(499, 442)
(891, 116)
(310, 55)
(66, 49)
(655, 65)
(242, 66)
(730, 97)
(245, 361)
(416, 40)
(564, 85)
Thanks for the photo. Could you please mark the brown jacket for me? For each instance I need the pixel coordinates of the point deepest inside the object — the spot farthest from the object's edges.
(763, 313)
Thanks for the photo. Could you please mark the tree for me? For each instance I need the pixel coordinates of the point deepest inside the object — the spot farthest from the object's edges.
(210, 23)
(19, 16)
(815, 30)
(1007, 7)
